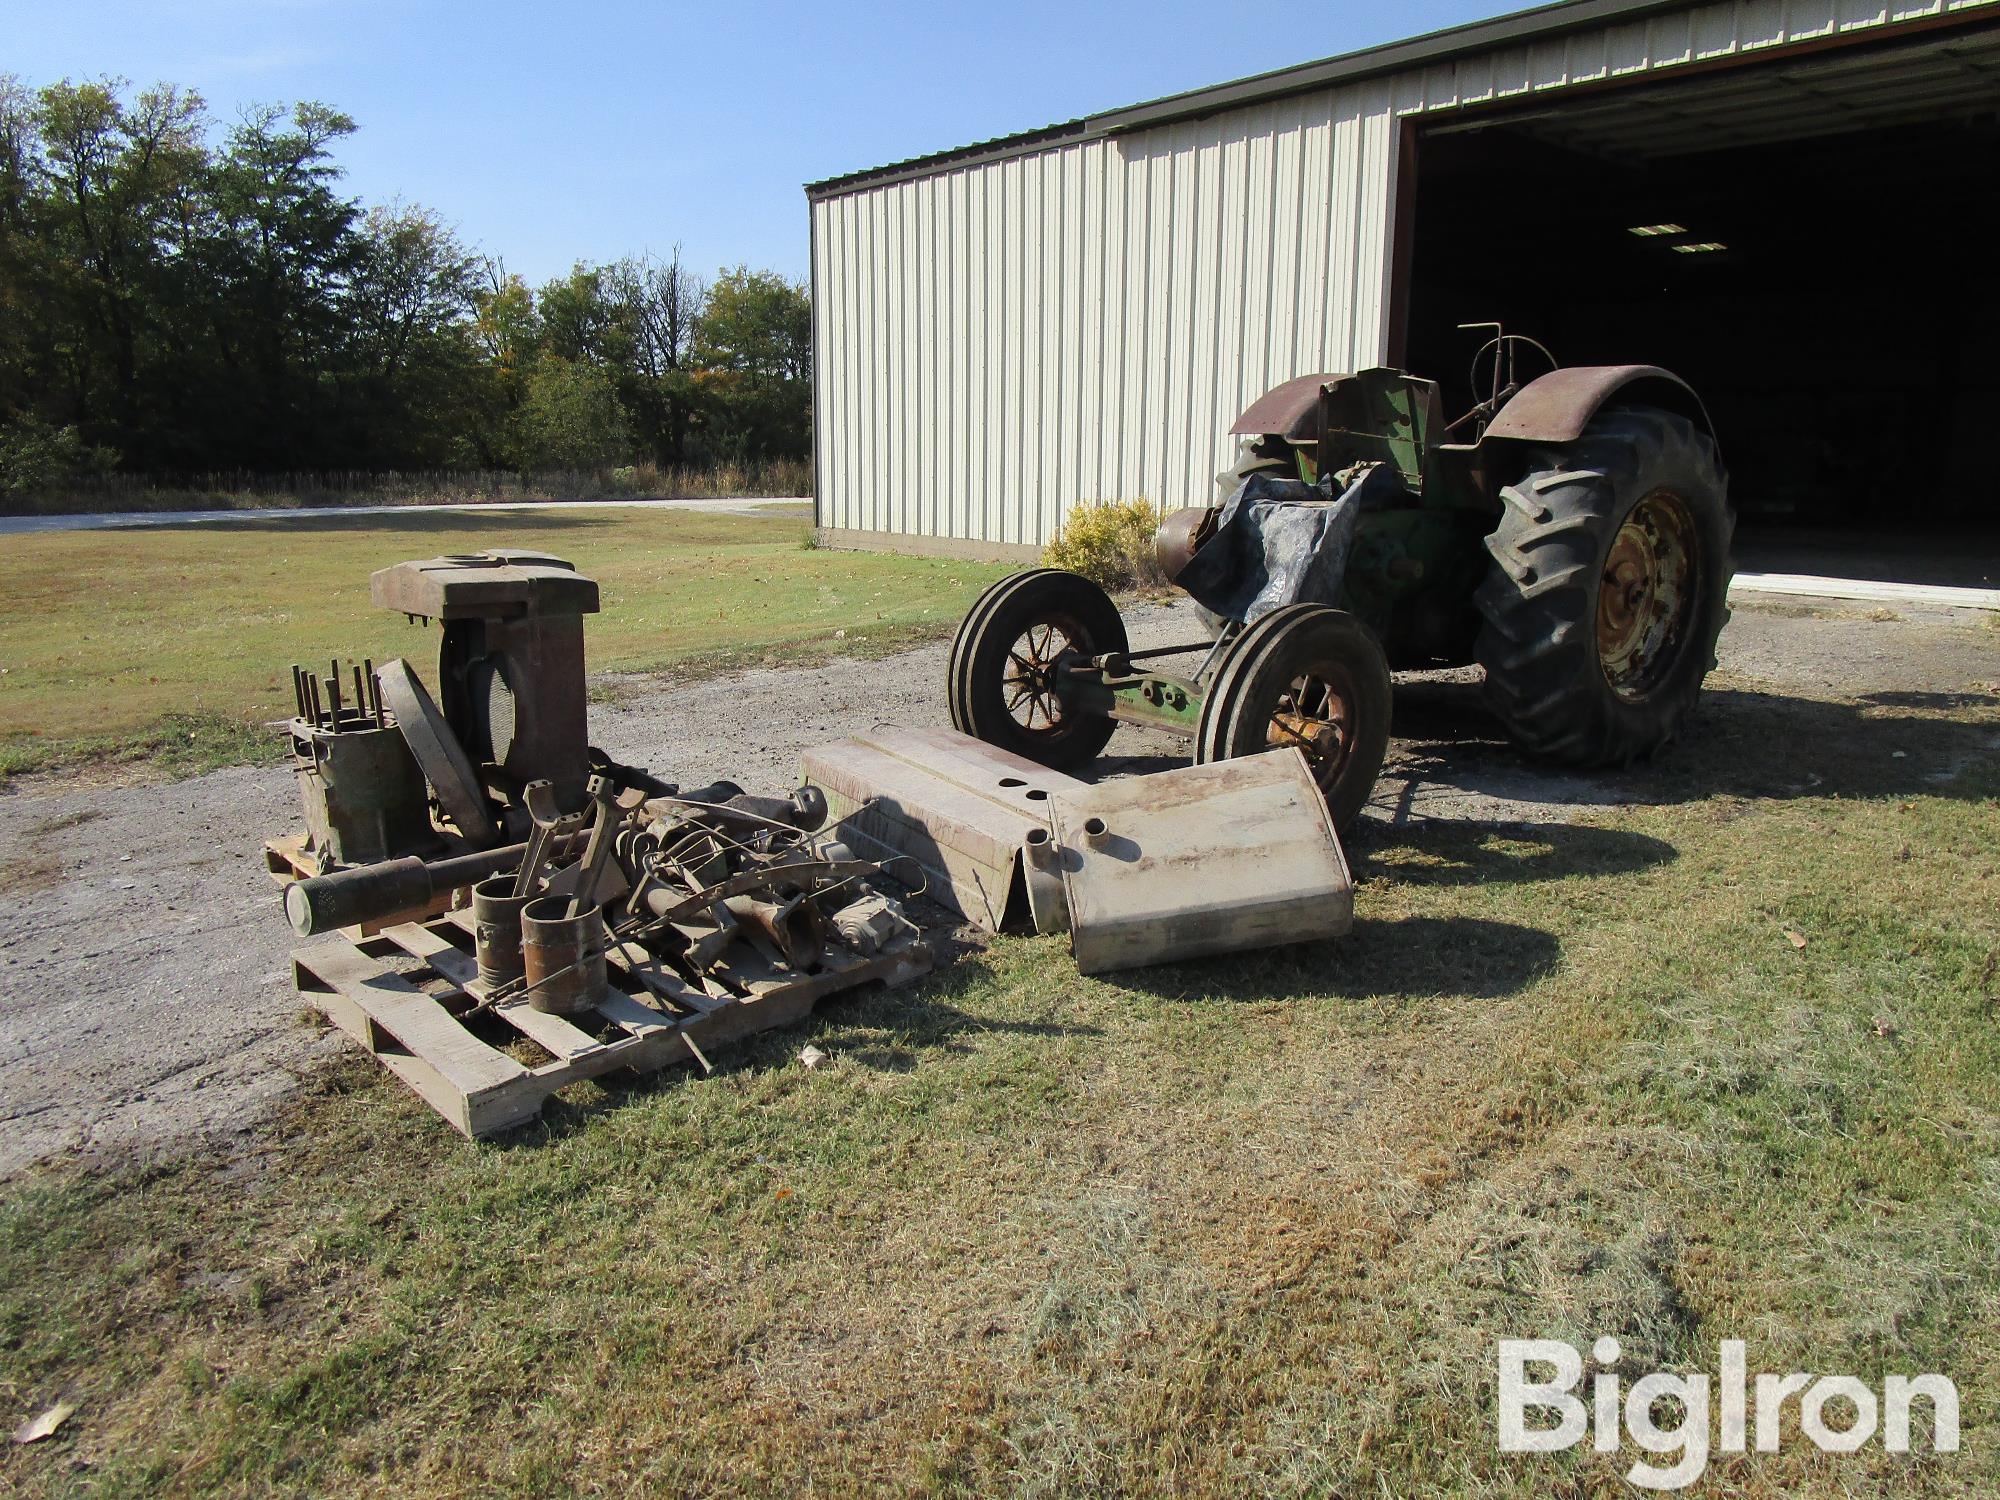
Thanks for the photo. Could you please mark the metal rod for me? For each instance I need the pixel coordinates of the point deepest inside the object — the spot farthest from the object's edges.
(312, 692)
(1157, 651)
(367, 893)
(360, 698)
(1227, 634)
(333, 692)
(375, 694)
(299, 689)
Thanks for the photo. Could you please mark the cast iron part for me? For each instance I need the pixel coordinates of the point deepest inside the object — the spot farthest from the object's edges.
(562, 955)
(361, 791)
(510, 659)
(496, 928)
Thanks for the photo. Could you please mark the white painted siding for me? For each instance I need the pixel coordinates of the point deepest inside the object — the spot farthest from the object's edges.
(997, 342)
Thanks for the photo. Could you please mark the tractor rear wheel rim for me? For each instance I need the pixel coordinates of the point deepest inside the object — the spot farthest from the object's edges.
(1646, 595)
(1316, 714)
(1029, 683)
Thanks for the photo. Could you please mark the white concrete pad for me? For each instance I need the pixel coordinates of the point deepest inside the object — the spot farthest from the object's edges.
(1808, 586)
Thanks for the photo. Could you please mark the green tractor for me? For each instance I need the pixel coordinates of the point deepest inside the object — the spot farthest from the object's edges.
(1571, 535)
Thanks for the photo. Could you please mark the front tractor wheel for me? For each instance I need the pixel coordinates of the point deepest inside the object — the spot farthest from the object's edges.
(1307, 676)
(1006, 663)
(1609, 587)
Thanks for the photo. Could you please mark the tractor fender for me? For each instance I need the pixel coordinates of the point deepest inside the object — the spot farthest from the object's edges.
(1289, 411)
(1556, 407)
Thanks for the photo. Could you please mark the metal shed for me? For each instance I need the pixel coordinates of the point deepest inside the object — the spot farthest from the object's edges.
(1077, 313)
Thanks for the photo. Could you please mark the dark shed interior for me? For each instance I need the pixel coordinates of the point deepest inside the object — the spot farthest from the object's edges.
(1812, 242)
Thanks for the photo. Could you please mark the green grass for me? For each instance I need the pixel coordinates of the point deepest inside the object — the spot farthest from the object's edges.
(113, 642)
(172, 745)
(1239, 1226)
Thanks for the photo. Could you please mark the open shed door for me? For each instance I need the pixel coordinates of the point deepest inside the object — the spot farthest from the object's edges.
(1809, 239)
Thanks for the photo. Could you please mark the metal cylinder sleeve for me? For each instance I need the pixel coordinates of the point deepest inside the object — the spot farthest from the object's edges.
(562, 956)
(496, 929)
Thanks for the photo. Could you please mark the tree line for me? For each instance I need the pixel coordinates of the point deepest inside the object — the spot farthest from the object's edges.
(177, 299)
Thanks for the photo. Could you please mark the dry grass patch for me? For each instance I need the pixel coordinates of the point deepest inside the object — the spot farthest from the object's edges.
(1234, 1226)
(171, 645)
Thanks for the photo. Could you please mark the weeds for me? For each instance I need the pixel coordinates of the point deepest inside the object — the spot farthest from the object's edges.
(1110, 543)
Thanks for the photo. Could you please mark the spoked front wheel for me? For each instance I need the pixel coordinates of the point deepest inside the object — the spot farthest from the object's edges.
(1007, 661)
(1311, 677)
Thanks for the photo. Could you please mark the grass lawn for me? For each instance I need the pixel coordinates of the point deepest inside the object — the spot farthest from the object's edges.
(1229, 1227)
(177, 642)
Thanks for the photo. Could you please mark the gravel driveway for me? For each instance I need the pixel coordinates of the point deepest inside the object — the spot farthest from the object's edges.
(145, 998)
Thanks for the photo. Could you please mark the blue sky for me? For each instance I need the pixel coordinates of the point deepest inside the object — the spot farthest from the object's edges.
(549, 133)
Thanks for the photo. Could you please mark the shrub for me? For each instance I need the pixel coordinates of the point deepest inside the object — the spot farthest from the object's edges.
(34, 456)
(1109, 542)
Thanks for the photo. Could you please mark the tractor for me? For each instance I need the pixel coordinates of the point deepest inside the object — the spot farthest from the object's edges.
(1570, 535)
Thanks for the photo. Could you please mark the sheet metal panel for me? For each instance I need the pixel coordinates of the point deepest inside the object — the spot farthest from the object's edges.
(1000, 341)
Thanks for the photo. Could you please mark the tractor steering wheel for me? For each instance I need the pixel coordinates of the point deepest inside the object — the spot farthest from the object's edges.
(1506, 359)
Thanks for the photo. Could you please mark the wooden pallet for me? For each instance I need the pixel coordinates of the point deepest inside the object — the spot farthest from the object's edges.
(409, 1015)
(291, 858)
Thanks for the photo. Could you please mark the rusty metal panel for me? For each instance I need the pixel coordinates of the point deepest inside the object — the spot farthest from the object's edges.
(1286, 409)
(959, 808)
(1556, 407)
(1219, 858)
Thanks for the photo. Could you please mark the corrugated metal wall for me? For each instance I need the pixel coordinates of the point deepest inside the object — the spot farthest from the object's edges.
(998, 342)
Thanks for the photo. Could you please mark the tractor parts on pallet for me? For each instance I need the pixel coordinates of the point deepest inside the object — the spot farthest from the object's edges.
(1215, 858)
(616, 919)
(411, 997)
(669, 923)
(695, 879)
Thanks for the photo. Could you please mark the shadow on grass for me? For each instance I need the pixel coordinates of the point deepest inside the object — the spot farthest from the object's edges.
(1412, 958)
(1440, 852)
(920, 1018)
(1741, 742)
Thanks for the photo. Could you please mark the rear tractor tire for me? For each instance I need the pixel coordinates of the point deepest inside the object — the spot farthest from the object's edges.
(1609, 586)
(1309, 676)
(1006, 660)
